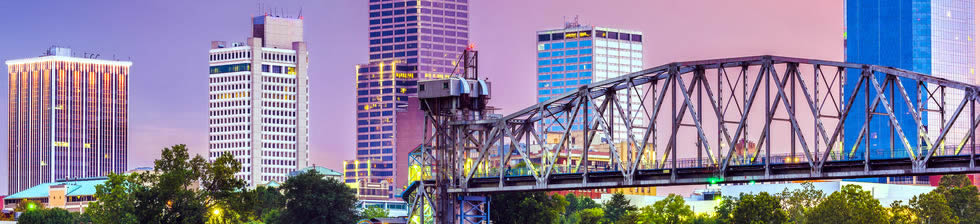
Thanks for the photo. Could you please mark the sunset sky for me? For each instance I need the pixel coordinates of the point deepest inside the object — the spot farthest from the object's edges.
(168, 42)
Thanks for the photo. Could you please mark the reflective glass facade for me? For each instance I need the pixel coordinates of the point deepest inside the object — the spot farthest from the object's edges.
(930, 37)
(579, 55)
(68, 118)
(953, 57)
(409, 40)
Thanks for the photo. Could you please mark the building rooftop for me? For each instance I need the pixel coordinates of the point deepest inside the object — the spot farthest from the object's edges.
(65, 54)
(322, 170)
(74, 187)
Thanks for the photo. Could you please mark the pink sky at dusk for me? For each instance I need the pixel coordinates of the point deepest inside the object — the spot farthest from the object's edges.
(168, 42)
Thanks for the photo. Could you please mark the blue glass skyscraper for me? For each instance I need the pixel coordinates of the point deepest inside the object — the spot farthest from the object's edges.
(889, 33)
(578, 55)
(930, 37)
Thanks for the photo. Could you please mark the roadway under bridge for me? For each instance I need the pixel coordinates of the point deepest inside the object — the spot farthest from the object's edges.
(761, 118)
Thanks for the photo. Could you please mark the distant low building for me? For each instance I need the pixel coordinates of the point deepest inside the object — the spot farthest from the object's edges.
(73, 195)
(396, 208)
(329, 173)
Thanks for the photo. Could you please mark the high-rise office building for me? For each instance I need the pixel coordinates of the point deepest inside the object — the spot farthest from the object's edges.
(578, 55)
(68, 117)
(259, 100)
(927, 36)
(408, 40)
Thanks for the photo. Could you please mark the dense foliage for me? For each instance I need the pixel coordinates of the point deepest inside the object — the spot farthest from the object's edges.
(182, 189)
(954, 201)
(522, 207)
(50, 216)
(312, 199)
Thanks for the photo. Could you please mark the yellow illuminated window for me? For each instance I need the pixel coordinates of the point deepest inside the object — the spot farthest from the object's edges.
(291, 70)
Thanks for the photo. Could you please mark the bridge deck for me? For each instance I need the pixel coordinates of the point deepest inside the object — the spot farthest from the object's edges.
(707, 175)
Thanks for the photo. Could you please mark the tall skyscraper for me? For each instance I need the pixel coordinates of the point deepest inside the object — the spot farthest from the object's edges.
(409, 40)
(931, 37)
(578, 55)
(259, 100)
(68, 117)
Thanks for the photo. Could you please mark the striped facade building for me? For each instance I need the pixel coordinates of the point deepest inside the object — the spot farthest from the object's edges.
(68, 118)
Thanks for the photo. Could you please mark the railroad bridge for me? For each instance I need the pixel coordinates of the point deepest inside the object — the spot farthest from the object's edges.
(733, 120)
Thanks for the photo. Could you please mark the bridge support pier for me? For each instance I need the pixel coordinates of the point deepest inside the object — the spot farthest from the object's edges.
(473, 209)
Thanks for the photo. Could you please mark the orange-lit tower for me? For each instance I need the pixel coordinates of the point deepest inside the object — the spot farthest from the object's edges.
(68, 117)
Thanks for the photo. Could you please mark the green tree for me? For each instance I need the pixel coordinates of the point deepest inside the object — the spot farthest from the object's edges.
(631, 217)
(954, 181)
(116, 203)
(256, 203)
(799, 201)
(901, 213)
(310, 198)
(850, 204)
(527, 207)
(576, 204)
(49, 216)
(374, 212)
(703, 218)
(590, 215)
(669, 210)
(724, 209)
(271, 217)
(962, 197)
(180, 189)
(168, 195)
(224, 196)
(617, 207)
(932, 208)
(758, 208)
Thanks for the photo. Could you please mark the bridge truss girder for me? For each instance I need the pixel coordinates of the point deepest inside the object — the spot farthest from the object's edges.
(469, 154)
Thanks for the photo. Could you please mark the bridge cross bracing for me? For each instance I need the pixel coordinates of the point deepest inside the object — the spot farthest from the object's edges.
(733, 120)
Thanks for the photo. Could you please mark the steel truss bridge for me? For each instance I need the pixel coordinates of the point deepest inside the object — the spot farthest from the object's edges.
(762, 118)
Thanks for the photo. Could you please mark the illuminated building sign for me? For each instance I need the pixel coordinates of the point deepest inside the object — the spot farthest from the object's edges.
(436, 76)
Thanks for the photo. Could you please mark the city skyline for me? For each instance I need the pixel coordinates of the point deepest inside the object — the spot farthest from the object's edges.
(503, 35)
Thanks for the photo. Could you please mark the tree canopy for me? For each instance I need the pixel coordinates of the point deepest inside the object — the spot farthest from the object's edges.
(758, 208)
(185, 189)
(669, 210)
(50, 216)
(527, 207)
(310, 198)
(850, 204)
(617, 207)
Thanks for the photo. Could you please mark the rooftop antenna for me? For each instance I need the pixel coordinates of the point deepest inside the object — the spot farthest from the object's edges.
(300, 16)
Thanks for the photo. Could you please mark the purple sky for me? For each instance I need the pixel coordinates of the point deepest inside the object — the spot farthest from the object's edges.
(168, 43)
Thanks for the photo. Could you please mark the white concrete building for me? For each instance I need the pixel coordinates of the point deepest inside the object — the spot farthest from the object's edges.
(259, 101)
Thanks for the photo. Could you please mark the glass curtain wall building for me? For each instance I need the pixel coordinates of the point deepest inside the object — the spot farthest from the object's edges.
(409, 40)
(578, 55)
(68, 118)
(953, 51)
(259, 101)
(930, 37)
